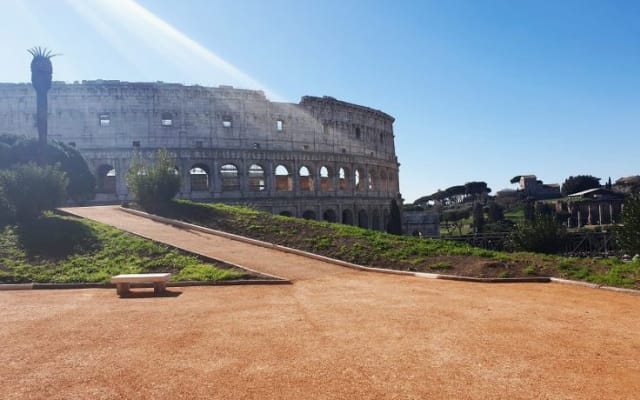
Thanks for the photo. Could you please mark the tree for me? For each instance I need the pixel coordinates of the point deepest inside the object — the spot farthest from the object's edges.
(495, 212)
(541, 235)
(478, 217)
(456, 217)
(155, 185)
(30, 189)
(41, 76)
(394, 226)
(629, 232)
(478, 190)
(578, 183)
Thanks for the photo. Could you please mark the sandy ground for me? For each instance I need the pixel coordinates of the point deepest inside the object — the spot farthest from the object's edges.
(333, 334)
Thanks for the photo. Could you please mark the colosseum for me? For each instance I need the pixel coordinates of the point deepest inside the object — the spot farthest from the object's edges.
(320, 159)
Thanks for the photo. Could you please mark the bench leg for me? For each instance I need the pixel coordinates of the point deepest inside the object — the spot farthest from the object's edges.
(122, 289)
(159, 287)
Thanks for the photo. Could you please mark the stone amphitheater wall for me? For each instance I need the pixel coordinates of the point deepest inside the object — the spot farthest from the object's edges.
(321, 158)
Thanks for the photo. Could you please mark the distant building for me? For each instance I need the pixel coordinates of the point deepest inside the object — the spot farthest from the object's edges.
(421, 223)
(530, 186)
(597, 206)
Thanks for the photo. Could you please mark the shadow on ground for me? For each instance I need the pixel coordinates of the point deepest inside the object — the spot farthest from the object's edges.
(56, 237)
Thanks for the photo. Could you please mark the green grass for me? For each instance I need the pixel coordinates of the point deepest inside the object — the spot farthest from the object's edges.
(63, 249)
(377, 249)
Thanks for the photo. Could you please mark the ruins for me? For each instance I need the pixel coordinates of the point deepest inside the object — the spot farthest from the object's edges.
(321, 158)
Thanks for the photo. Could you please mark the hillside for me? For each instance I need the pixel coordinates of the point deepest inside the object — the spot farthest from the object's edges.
(377, 249)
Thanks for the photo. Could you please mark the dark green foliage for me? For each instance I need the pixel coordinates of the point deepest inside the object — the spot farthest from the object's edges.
(478, 217)
(529, 210)
(495, 212)
(30, 189)
(21, 150)
(541, 235)
(629, 232)
(395, 219)
(153, 186)
(575, 184)
(56, 237)
(477, 190)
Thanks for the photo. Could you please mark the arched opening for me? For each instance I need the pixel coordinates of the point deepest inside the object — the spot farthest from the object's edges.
(199, 178)
(309, 215)
(375, 220)
(283, 179)
(359, 179)
(229, 178)
(325, 179)
(363, 219)
(385, 219)
(285, 213)
(383, 185)
(106, 179)
(343, 179)
(347, 217)
(256, 178)
(329, 216)
(306, 180)
(372, 182)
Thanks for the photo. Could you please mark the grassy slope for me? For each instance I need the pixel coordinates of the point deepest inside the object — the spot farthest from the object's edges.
(65, 249)
(378, 249)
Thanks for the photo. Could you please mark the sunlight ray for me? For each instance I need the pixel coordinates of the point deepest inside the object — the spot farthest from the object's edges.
(121, 20)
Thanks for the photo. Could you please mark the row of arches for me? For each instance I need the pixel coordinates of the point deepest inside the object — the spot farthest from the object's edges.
(305, 179)
(363, 218)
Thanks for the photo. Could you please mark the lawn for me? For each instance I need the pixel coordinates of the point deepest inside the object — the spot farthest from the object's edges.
(61, 249)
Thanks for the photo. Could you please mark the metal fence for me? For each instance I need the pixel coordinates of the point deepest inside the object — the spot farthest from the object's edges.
(576, 244)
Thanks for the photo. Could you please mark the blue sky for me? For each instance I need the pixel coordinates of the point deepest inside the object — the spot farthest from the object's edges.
(481, 90)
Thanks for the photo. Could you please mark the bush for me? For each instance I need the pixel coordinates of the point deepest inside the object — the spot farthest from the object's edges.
(16, 150)
(542, 235)
(153, 186)
(30, 189)
(629, 232)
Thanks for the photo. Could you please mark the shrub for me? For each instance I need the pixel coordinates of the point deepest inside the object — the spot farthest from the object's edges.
(542, 235)
(30, 189)
(629, 232)
(155, 185)
(20, 150)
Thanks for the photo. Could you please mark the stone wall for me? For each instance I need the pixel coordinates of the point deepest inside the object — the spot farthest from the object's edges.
(321, 158)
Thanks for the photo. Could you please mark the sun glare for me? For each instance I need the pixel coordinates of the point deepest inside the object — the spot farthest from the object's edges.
(122, 21)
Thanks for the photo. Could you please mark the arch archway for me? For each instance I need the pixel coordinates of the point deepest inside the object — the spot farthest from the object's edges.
(106, 179)
(359, 179)
(363, 219)
(347, 217)
(309, 214)
(199, 178)
(329, 216)
(326, 174)
(229, 178)
(343, 179)
(305, 179)
(375, 220)
(283, 179)
(256, 178)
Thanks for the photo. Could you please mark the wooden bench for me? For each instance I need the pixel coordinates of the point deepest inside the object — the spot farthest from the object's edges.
(124, 281)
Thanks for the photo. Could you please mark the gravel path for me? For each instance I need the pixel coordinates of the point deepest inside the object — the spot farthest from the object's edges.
(334, 334)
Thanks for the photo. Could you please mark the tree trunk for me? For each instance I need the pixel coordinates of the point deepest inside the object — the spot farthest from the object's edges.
(41, 120)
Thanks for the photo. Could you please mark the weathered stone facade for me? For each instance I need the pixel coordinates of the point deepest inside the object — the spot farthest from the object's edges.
(321, 159)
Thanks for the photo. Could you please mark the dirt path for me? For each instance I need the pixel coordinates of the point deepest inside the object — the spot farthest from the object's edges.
(333, 334)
